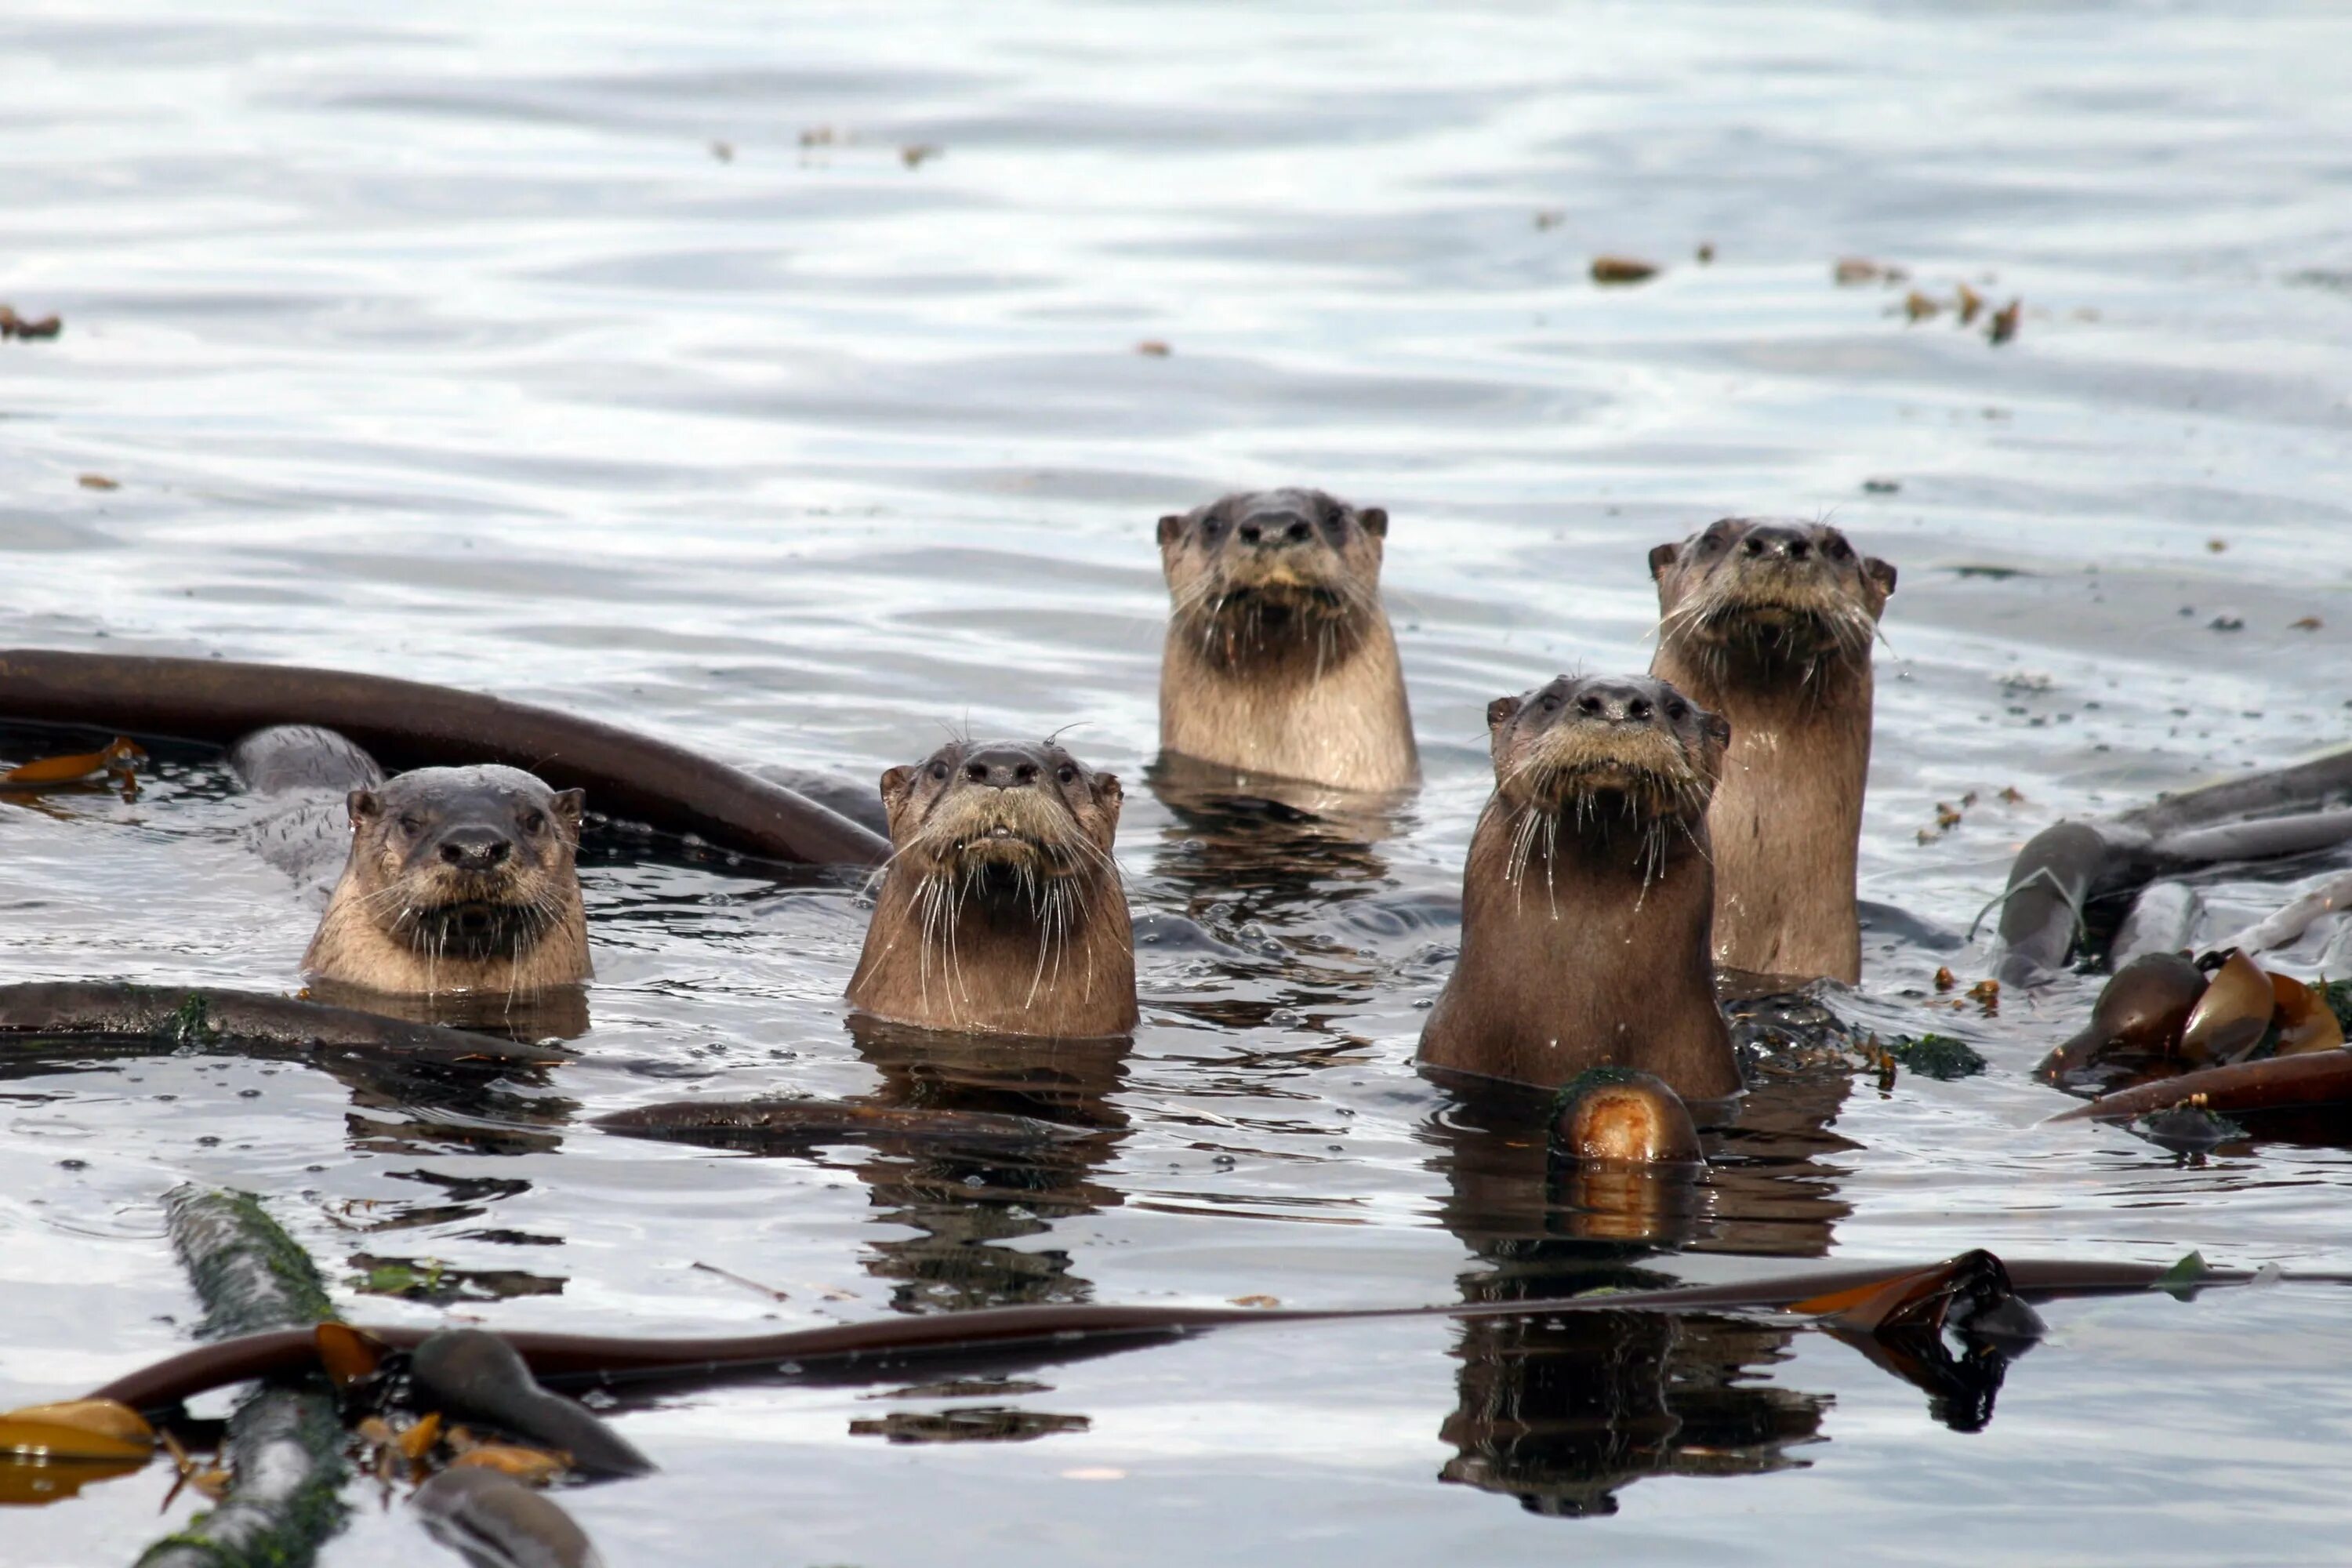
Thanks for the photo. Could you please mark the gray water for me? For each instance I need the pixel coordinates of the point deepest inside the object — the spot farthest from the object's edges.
(444, 343)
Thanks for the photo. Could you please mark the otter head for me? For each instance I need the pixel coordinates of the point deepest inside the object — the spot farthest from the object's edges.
(1606, 748)
(1746, 593)
(1000, 817)
(1261, 578)
(474, 863)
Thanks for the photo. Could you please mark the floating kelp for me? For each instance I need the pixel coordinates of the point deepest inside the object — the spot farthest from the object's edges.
(2046, 911)
(408, 725)
(2276, 1083)
(2140, 1012)
(1615, 1115)
(2162, 1014)
(470, 1375)
(884, 1348)
(118, 760)
(81, 1016)
(285, 1442)
(759, 1125)
(1939, 1057)
(488, 1517)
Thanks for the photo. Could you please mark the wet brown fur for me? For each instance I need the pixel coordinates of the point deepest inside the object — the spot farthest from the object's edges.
(1000, 907)
(1587, 895)
(1779, 644)
(405, 920)
(1279, 658)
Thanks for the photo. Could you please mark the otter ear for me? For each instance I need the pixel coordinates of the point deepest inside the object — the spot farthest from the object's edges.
(1662, 556)
(1717, 728)
(1501, 711)
(896, 784)
(1109, 797)
(569, 806)
(1171, 527)
(1879, 571)
(1375, 520)
(363, 806)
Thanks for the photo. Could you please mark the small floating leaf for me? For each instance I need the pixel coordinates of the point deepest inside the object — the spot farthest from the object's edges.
(119, 755)
(348, 1355)
(533, 1467)
(1623, 269)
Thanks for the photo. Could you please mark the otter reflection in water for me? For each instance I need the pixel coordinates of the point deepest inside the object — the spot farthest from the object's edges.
(458, 900)
(1279, 661)
(1770, 625)
(969, 1205)
(1586, 896)
(1000, 907)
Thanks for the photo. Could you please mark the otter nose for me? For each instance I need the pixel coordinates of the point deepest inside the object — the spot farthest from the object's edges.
(1001, 767)
(1617, 703)
(475, 849)
(1274, 529)
(1789, 543)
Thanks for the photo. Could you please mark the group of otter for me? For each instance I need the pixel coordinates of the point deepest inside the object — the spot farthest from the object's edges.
(1642, 829)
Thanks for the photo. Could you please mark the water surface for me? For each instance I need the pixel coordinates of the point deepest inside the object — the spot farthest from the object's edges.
(445, 344)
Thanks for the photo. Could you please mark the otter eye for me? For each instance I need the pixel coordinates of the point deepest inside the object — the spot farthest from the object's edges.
(1067, 773)
(411, 824)
(1550, 701)
(940, 770)
(534, 821)
(1678, 711)
(1841, 550)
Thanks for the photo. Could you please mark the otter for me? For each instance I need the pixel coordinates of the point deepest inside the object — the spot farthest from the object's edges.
(1001, 908)
(1279, 660)
(1588, 892)
(457, 880)
(1770, 624)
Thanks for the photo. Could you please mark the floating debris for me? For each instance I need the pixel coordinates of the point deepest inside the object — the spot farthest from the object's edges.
(914, 154)
(2227, 621)
(822, 136)
(119, 759)
(97, 482)
(1966, 302)
(1154, 347)
(1256, 1300)
(1613, 270)
(2004, 325)
(1881, 487)
(1945, 980)
(2307, 624)
(1919, 307)
(1551, 218)
(723, 151)
(1707, 253)
(1852, 271)
(13, 325)
(1939, 1057)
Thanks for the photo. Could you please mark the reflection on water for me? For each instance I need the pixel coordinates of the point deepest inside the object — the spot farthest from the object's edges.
(440, 345)
(967, 1207)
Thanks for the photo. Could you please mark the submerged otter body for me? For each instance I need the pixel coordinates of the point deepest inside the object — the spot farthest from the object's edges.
(1279, 660)
(1001, 908)
(1587, 896)
(1770, 624)
(457, 880)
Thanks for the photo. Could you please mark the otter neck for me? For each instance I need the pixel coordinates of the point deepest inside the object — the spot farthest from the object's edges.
(1787, 817)
(352, 948)
(1594, 955)
(1311, 703)
(990, 956)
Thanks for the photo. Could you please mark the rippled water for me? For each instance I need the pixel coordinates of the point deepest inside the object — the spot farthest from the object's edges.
(446, 343)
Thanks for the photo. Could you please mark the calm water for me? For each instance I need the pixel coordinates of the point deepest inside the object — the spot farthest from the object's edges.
(443, 344)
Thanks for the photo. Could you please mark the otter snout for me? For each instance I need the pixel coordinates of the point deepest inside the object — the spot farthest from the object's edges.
(1274, 529)
(475, 848)
(1770, 542)
(1003, 767)
(1617, 702)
